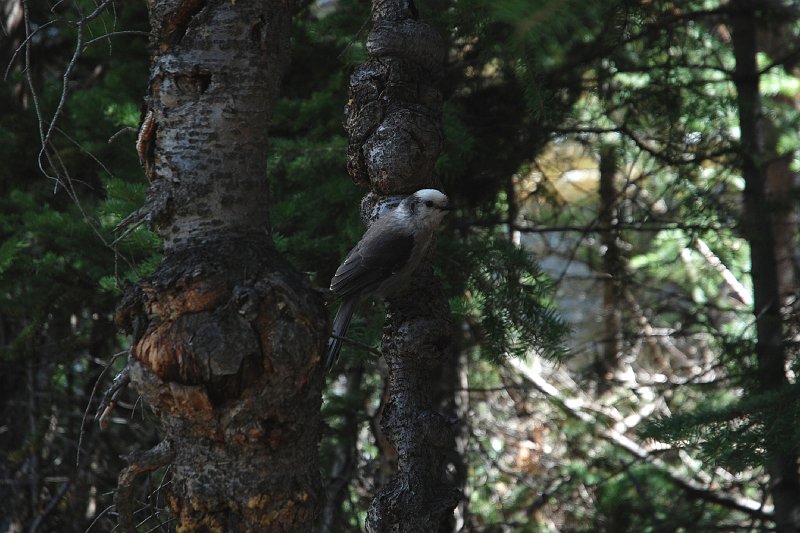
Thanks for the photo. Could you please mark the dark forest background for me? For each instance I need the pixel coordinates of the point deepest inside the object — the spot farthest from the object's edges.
(603, 156)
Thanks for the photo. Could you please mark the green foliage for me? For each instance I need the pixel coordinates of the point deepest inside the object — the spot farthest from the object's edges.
(546, 40)
(460, 144)
(654, 80)
(643, 499)
(648, 78)
(736, 433)
(58, 268)
(501, 291)
(314, 204)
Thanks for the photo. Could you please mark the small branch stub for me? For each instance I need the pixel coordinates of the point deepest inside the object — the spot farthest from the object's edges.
(138, 463)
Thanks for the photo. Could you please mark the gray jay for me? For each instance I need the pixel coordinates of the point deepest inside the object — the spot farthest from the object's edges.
(384, 258)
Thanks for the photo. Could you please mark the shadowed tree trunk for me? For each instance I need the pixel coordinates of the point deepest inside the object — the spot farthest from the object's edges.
(613, 269)
(226, 337)
(345, 457)
(393, 120)
(759, 229)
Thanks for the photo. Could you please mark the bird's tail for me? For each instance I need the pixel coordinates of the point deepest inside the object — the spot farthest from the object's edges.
(340, 325)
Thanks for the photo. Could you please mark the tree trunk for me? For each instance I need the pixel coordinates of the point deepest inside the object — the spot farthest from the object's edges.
(345, 457)
(226, 337)
(613, 269)
(393, 120)
(453, 401)
(758, 226)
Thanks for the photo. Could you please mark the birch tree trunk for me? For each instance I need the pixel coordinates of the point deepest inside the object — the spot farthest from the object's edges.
(759, 228)
(393, 120)
(226, 337)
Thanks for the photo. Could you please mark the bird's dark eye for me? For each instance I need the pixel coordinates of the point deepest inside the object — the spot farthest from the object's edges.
(429, 203)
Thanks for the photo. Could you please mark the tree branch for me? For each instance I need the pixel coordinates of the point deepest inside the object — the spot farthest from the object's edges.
(570, 406)
(109, 400)
(139, 463)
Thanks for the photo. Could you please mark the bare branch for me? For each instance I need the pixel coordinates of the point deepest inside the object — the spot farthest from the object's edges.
(574, 408)
(47, 128)
(640, 226)
(114, 34)
(89, 403)
(358, 344)
(126, 129)
(110, 399)
(743, 294)
(139, 463)
(28, 37)
(37, 522)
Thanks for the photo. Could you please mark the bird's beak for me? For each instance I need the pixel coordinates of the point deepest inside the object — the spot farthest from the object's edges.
(448, 207)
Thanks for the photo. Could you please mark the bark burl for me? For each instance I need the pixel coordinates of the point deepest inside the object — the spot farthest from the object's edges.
(227, 338)
(393, 119)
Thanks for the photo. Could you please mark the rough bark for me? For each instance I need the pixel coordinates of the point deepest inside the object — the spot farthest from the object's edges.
(758, 226)
(226, 337)
(612, 267)
(393, 120)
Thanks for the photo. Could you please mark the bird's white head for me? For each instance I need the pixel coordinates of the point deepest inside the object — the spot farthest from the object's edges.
(426, 207)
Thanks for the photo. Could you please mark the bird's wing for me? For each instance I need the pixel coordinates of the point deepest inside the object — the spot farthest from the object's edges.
(371, 262)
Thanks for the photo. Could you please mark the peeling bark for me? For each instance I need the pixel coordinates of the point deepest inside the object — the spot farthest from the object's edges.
(393, 120)
(226, 337)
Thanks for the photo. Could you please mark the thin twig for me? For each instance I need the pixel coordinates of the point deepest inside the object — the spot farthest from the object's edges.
(358, 344)
(138, 463)
(50, 506)
(114, 34)
(27, 68)
(126, 129)
(110, 399)
(23, 45)
(127, 232)
(98, 517)
(80, 147)
(46, 136)
(89, 403)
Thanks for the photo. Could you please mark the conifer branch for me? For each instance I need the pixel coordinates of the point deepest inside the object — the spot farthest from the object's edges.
(573, 408)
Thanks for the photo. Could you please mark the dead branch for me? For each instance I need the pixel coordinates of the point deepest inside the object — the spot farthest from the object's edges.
(109, 400)
(571, 407)
(139, 463)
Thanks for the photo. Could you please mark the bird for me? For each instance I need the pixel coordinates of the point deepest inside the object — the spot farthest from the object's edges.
(385, 258)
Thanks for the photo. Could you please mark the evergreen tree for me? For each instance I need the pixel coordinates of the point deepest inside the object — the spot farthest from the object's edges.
(597, 153)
